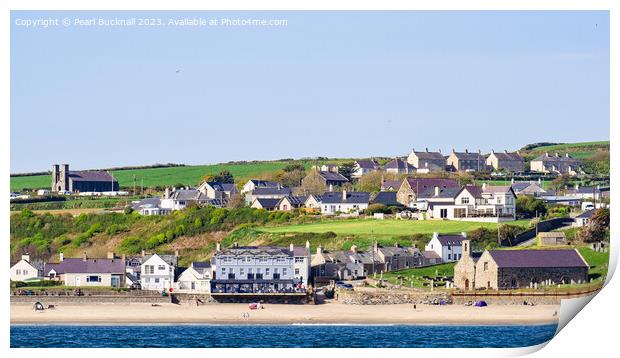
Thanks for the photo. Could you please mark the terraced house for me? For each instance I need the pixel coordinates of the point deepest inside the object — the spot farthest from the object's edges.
(426, 161)
(466, 161)
(556, 164)
(509, 162)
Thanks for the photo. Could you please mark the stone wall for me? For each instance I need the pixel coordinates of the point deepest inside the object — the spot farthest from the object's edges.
(55, 300)
(387, 297)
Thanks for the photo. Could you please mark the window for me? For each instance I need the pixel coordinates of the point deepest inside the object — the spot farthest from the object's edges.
(267, 271)
(284, 271)
(18, 272)
(299, 259)
(486, 266)
(156, 279)
(223, 270)
(465, 200)
(296, 272)
(93, 278)
(449, 256)
(25, 272)
(149, 269)
(242, 271)
(275, 270)
(161, 267)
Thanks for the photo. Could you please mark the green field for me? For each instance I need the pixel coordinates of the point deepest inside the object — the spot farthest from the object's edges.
(386, 227)
(187, 175)
(571, 146)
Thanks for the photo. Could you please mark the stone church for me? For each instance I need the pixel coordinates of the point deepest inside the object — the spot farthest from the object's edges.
(65, 180)
(513, 269)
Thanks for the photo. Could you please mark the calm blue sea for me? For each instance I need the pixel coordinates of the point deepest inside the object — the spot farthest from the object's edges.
(267, 336)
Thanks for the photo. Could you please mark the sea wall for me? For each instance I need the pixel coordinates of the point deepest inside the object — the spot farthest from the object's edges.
(55, 300)
(361, 296)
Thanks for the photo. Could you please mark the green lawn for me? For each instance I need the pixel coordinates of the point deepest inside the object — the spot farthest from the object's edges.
(386, 227)
(415, 275)
(569, 146)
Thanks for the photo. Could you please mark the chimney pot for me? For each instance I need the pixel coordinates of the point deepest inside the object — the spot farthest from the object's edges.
(110, 255)
(61, 257)
(176, 253)
(466, 150)
(436, 191)
(426, 149)
(218, 247)
(344, 195)
(291, 247)
(84, 257)
(307, 244)
(143, 253)
(26, 257)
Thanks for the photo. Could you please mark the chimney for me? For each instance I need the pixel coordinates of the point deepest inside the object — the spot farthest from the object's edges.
(484, 186)
(167, 193)
(354, 249)
(26, 257)
(463, 233)
(567, 155)
(291, 247)
(319, 250)
(396, 244)
(439, 150)
(331, 187)
(453, 151)
(539, 180)
(124, 258)
(466, 150)
(577, 186)
(143, 253)
(505, 151)
(436, 191)
(110, 255)
(435, 235)
(426, 149)
(84, 257)
(557, 155)
(344, 195)
(176, 253)
(546, 154)
(466, 248)
(307, 244)
(218, 247)
(512, 181)
(61, 257)
(375, 246)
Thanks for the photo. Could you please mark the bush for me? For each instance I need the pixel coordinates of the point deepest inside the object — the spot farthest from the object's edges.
(131, 245)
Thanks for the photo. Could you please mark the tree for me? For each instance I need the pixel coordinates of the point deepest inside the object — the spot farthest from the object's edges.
(236, 201)
(598, 227)
(294, 167)
(529, 207)
(560, 182)
(224, 177)
(370, 182)
(291, 178)
(346, 169)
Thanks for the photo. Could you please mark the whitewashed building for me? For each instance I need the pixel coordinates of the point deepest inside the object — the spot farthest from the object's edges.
(157, 272)
(344, 202)
(195, 279)
(447, 247)
(474, 203)
(24, 270)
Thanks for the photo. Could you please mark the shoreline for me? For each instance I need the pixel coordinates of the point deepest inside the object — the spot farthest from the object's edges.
(282, 314)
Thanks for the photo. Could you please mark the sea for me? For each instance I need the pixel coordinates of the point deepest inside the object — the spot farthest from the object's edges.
(278, 336)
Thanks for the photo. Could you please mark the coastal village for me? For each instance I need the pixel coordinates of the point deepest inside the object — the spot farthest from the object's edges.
(424, 186)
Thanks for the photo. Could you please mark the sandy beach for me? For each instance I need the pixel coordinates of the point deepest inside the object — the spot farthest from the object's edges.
(114, 313)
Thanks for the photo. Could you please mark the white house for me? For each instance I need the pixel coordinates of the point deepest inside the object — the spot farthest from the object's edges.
(157, 272)
(216, 190)
(24, 270)
(196, 278)
(448, 247)
(361, 167)
(584, 218)
(474, 203)
(346, 202)
(255, 183)
(313, 202)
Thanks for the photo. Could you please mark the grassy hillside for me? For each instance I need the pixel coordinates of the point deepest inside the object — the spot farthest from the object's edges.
(190, 175)
(381, 228)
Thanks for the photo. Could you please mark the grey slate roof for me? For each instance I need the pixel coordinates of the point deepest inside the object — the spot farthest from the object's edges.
(423, 184)
(508, 156)
(332, 176)
(367, 164)
(429, 155)
(78, 265)
(264, 183)
(268, 203)
(297, 200)
(399, 164)
(586, 214)
(272, 191)
(452, 240)
(553, 158)
(469, 156)
(445, 193)
(91, 175)
(475, 191)
(387, 198)
(147, 203)
(537, 258)
(254, 251)
(520, 186)
(391, 184)
(354, 197)
(493, 189)
(169, 259)
(188, 195)
(217, 186)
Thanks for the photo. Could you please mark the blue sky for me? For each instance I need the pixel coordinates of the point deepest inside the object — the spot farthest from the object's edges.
(337, 84)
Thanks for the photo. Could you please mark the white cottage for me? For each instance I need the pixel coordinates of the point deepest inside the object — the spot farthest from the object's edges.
(24, 270)
(157, 272)
(447, 247)
(196, 278)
